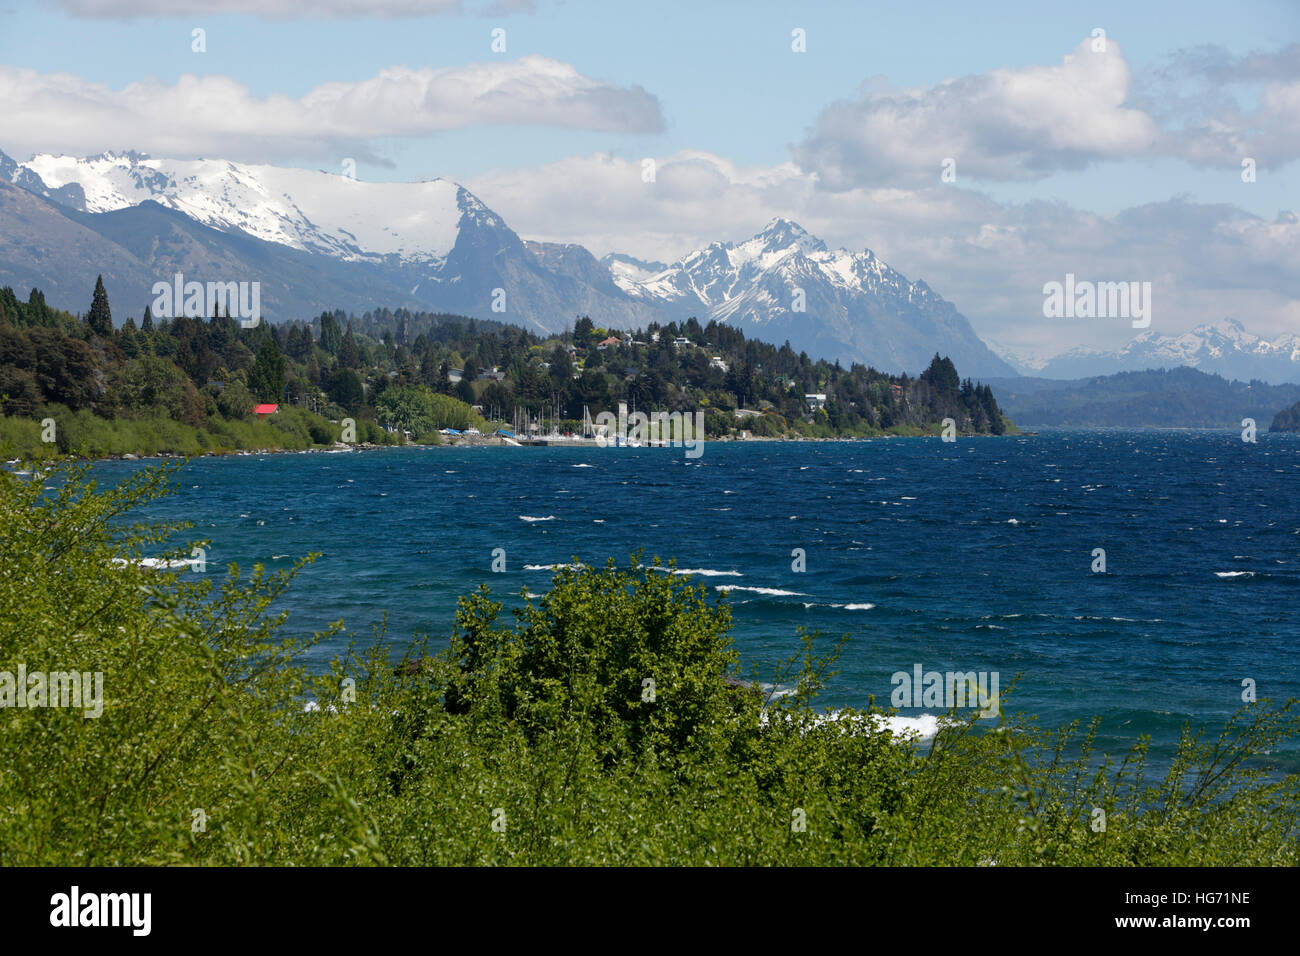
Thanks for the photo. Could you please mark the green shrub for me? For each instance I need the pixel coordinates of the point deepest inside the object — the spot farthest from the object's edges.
(605, 726)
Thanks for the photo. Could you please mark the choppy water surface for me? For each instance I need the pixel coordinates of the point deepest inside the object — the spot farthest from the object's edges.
(974, 555)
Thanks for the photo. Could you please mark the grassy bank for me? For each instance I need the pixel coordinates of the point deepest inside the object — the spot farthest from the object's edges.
(90, 436)
(599, 727)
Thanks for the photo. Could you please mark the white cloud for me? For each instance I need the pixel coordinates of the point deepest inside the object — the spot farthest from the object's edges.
(218, 116)
(1027, 123)
(290, 9)
(1008, 124)
(989, 258)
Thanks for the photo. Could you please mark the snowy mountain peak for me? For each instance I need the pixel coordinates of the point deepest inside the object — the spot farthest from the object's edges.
(303, 209)
(630, 268)
(784, 282)
(1224, 347)
(782, 234)
(436, 243)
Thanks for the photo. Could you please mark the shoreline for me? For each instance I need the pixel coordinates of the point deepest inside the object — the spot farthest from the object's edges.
(342, 448)
(485, 441)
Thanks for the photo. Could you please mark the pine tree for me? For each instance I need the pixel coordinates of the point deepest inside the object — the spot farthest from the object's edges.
(100, 319)
(266, 380)
(331, 336)
(128, 340)
(349, 354)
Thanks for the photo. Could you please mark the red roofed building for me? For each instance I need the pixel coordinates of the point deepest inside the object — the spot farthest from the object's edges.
(262, 411)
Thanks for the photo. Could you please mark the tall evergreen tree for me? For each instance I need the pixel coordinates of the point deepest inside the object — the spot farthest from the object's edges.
(349, 354)
(331, 336)
(128, 340)
(266, 379)
(146, 324)
(100, 319)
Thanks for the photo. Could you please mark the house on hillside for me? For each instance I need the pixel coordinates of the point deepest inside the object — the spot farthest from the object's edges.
(612, 342)
(815, 401)
(265, 411)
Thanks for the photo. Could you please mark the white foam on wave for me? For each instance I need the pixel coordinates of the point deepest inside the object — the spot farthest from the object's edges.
(921, 727)
(1234, 574)
(530, 518)
(702, 572)
(553, 567)
(847, 607)
(156, 563)
(772, 592)
(583, 465)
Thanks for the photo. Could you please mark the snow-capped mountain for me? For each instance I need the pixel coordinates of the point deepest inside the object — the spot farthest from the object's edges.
(784, 283)
(299, 208)
(429, 244)
(324, 240)
(1224, 348)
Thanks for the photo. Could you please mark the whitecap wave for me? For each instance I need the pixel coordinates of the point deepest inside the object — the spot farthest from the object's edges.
(157, 563)
(702, 572)
(921, 727)
(530, 518)
(846, 607)
(771, 592)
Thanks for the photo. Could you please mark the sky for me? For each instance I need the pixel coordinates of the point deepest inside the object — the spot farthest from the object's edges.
(1104, 140)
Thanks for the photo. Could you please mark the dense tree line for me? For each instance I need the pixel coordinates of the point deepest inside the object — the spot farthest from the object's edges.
(648, 369)
(337, 365)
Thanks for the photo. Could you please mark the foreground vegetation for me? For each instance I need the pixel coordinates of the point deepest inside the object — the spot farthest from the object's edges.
(599, 727)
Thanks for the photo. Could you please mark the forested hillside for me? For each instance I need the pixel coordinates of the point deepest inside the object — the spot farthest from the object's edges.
(1157, 398)
(190, 385)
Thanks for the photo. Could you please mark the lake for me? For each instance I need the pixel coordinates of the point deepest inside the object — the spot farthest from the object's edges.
(975, 555)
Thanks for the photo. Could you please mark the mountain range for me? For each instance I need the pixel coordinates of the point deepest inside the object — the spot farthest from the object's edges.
(1223, 348)
(319, 241)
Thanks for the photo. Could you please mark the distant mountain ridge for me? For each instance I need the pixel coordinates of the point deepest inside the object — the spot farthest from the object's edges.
(1223, 348)
(435, 244)
(1156, 398)
(775, 282)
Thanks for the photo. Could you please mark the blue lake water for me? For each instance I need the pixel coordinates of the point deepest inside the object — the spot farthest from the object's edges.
(968, 556)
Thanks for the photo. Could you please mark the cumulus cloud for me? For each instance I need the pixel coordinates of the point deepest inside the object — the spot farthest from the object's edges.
(1198, 99)
(216, 115)
(1007, 124)
(1027, 123)
(989, 258)
(291, 9)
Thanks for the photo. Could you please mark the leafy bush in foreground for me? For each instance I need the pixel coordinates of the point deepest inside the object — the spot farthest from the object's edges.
(537, 742)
